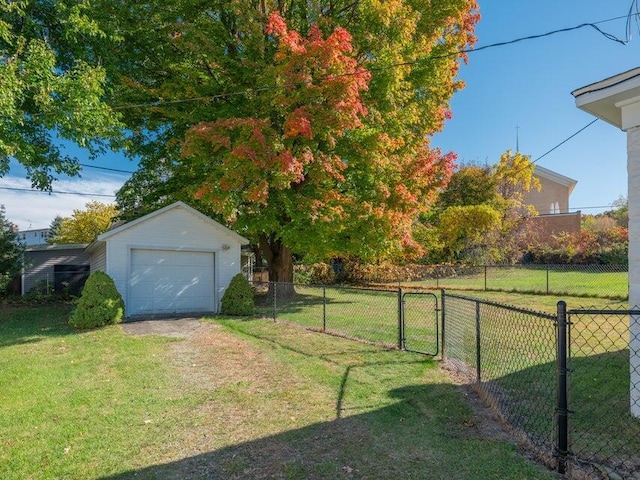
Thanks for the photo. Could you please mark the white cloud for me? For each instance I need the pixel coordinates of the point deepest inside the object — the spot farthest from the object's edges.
(34, 209)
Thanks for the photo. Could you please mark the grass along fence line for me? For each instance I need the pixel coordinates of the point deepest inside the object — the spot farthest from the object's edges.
(513, 360)
(370, 315)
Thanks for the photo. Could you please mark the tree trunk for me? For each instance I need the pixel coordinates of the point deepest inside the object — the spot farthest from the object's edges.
(280, 261)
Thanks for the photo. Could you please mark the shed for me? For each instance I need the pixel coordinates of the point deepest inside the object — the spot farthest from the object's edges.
(54, 269)
(173, 260)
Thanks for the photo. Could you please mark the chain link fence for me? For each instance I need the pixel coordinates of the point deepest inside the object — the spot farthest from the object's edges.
(598, 281)
(363, 314)
(510, 354)
(604, 388)
(566, 383)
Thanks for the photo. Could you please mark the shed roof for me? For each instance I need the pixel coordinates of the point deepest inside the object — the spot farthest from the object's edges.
(56, 247)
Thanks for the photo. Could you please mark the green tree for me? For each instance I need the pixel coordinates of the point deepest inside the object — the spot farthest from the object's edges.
(11, 251)
(620, 212)
(467, 232)
(513, 175)
(54, 229)
(484, 217)
(469, 185)
(310, 132)
(85, 225)
(52, 87)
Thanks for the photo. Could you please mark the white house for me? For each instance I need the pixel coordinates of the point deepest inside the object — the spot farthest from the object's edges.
(173, 260)
(616, 100)
(33, 237)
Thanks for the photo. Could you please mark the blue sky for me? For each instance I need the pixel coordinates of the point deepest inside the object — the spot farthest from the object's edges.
(527, 84)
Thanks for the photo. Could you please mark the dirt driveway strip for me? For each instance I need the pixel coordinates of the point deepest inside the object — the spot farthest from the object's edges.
(183, 327)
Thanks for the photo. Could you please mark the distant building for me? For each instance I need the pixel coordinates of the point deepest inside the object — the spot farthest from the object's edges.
(33, 237)
(552, 203)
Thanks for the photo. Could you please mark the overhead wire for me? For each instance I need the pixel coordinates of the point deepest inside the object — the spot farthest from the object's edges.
(593, 25)
(117, 170)
(57, 192)
(565, 140)
(630, 15)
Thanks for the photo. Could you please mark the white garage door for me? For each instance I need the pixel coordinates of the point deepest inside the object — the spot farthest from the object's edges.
(165, 281)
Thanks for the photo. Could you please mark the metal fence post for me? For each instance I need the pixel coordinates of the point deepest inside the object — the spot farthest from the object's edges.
(275, 296)
(547, 279)
(400, 320)
(485, 278)
(562, 411)
(324, 308)
(478, 357)
(442, 320)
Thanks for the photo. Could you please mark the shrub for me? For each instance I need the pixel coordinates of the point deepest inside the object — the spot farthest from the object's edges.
(99, 304)
(322, 274)
(584, 247)
(238, 297)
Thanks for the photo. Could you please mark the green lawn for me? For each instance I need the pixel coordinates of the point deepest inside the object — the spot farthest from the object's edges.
(560, 280)
(75, 405)
(239, 399)
(366, 315)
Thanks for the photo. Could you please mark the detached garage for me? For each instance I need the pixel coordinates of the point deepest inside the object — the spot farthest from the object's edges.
(174, 260)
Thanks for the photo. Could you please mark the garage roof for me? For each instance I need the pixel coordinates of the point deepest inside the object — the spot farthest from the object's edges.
(177, 205)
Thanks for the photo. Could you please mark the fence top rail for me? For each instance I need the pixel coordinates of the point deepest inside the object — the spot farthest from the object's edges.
(593, 311)
(363, 288)
(548, 316)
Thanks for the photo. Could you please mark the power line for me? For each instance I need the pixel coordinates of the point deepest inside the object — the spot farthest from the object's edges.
(50, 192)
(105, 168)
(593, 25)
(592, 208)
(125, 171)
(565, 140)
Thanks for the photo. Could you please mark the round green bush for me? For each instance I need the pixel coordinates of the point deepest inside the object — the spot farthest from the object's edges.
(99, 304)
(238, 297)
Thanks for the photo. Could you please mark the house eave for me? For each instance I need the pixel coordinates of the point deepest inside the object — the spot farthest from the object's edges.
(602, 99)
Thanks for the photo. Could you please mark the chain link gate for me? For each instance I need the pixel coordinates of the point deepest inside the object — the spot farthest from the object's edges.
(420, 323)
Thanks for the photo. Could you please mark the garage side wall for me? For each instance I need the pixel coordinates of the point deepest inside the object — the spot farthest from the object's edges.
(177, 230)
(99, 258)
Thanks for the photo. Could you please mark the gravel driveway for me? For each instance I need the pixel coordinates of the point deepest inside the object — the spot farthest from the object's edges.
(171, 327)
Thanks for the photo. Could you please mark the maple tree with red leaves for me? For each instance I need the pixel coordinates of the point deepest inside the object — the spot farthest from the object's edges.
(323, 148)
(286, 170)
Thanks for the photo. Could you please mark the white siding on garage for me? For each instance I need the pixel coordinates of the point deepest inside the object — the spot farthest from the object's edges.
(166, 281)
(99, 258)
